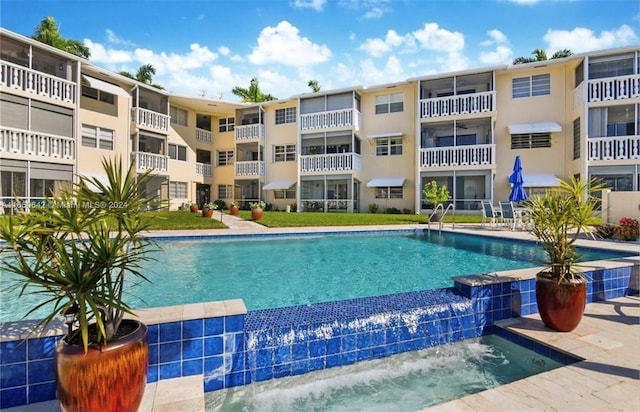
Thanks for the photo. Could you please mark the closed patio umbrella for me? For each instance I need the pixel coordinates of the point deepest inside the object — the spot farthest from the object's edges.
(517, 190)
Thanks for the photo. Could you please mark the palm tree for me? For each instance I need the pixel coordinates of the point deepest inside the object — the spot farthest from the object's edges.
(48, 32)
(313, 84)
(253, 94)
(144, 75)
(541, 55)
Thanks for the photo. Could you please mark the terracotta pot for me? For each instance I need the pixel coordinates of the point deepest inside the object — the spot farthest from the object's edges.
(561, 305)
(194, 208)
(256, 214)
(234, 210)
(109, 378)
(207, 213)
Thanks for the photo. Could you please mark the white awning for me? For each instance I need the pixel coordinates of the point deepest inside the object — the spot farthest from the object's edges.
(104, 86)
(103, 179)
(392, 134)
(279, 185)
(386, 182)
(526, 128)
(540, 180)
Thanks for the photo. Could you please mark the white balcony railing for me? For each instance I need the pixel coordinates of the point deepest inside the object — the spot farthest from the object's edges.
(475, 155)
(27, 80)
(614, 148)
(330, 119)
(151, 119)
(613, 88)
(203, 169)
(36, 143)
(253, 168)
(151, 161)
(330, 162)
(463, 104)
(205, 136)
(249, 133)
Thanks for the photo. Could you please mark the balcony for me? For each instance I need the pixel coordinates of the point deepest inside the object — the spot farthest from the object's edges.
(334, 162)
(330, 120)
(204, 136)
(254, 168)
(613, 148)
(249, 133)
(613, 88)
(151, 161)
(453, 156)
(31, 81)
(40, 144)
(458, 105)
(203, 169)
(151, 120)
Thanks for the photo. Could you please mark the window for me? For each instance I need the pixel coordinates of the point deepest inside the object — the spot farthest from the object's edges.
(390, 103)
(224, 158)
(284, 194)
(225, 192)
(178, 190)
(285, 153)
(96, 94)
(226, 125)
(178, 116)
(389, 192)
(530, 141)
(177, 152)
(576, 139)
(388, 146)
(539, 85)
(287, 115)
(97, 137)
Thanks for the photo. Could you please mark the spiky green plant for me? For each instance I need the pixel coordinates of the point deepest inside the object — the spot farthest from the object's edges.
(79, 247)
(557, 220)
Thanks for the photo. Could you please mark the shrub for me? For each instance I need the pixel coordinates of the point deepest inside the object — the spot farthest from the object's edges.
(392, 211)
(407, 211)
(605, 231)
(373, 208)
(628, 229)
(294, 207)
(221, 204)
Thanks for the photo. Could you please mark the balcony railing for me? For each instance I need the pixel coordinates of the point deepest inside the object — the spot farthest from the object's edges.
(36, 143)
(614, 148)
(463, 104)
(613, 88)
(249, 133)
(333, 162)
(203, 169)
(205, 136)
(151, 161)
(151, 119)
(475, 155)
(253, 168)
(32, 81)
(331, 119)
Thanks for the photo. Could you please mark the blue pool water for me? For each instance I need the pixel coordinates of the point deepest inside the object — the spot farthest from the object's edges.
(270, 272)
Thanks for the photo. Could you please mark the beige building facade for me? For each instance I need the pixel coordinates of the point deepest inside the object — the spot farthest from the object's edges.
(349, 150)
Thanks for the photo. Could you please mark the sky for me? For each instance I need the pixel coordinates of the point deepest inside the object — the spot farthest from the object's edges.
(208, 47)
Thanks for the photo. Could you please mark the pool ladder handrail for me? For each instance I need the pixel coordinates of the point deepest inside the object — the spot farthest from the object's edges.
(440, 206)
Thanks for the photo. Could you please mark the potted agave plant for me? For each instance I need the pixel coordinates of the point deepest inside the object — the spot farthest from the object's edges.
(234, 209)
(208, 208)
(257, 210)
(557, 220)
(76, 251)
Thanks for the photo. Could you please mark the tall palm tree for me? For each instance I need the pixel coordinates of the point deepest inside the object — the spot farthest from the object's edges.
(144, 75)
(541, 55)
(48, 32)
(313, 84)
(253, 94)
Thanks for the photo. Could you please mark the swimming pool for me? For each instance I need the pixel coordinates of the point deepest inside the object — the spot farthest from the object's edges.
(279, 271)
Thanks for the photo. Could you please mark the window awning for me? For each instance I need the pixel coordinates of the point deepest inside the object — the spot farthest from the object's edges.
(392, 134)
(104, 86)
(103, 179)
(279, 185)
(526, 128)
(386, 182)
(542, 180)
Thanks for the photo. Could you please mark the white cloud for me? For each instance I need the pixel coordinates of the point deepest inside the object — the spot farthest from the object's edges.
(111, 57)
(224, 51)
(284, 45)
(582, 39)
(432, 37)
(114, 39)
(309, 4)
(379, 47)
(502, 52)
(374, 13)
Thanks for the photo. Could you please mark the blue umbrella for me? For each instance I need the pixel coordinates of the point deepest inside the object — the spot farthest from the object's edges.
(517, 190)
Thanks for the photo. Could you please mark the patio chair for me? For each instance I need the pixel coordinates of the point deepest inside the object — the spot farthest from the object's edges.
(489, 213)
(508, 215)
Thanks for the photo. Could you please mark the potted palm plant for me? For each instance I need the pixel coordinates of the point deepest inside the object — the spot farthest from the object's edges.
(557, 220)
(257, 210)
(435, 195)
(76, 251)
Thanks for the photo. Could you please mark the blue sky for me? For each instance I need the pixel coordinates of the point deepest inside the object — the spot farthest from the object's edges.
(209, 47)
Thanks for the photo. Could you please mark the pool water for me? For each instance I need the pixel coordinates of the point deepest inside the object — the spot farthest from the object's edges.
(272, 272)
(405, 382)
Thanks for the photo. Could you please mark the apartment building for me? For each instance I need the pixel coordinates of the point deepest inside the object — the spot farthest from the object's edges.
(336, 150)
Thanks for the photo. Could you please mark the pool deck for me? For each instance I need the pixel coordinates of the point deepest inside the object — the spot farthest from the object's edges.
(608, 338)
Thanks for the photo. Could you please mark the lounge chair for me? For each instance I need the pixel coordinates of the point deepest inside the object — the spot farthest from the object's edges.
(489, 213)
(508, 215)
